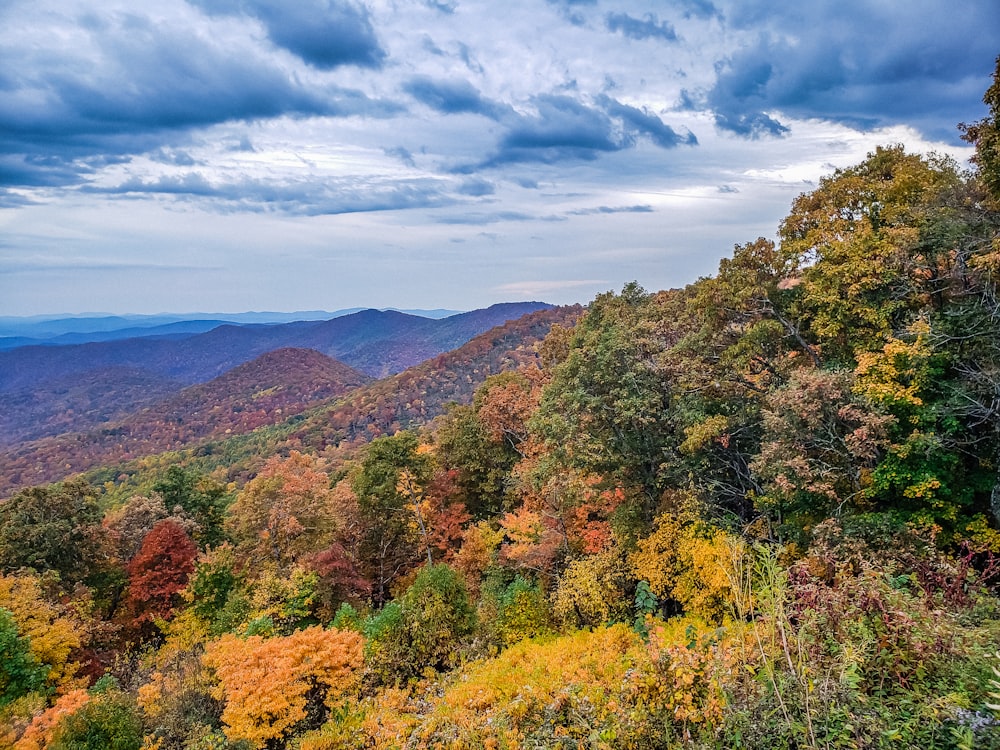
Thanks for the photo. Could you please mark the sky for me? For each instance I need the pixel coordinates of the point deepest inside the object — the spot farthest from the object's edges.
(230, 155)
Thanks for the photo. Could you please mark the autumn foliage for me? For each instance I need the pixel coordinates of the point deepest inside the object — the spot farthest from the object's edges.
(160, 570)
(272, 685)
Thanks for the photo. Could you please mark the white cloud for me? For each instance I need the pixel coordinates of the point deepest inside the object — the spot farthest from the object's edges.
(477, 145)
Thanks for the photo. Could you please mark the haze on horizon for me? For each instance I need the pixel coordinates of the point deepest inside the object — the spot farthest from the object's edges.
(222, 155)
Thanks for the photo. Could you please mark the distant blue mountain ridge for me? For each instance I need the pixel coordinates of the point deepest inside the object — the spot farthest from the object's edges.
(52, 330)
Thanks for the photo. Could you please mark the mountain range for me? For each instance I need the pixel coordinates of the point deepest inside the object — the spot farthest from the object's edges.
(136, 401)
(81, 329)
(378, 343)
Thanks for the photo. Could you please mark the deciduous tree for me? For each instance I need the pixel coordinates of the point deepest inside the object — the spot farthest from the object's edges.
(276, 686)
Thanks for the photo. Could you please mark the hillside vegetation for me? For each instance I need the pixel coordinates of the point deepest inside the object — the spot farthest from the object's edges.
(761, 512)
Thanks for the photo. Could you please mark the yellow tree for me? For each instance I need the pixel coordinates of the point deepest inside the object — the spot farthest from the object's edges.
(53, 632)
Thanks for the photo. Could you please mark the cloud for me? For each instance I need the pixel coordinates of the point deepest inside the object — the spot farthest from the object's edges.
(563, 128)
(647, 124)
(639, 209)
(444, 7)
(191, 183)
(546, 286)
(855, 62)
(452, 97)
(477, 188)
(698, 9)
(472, 218)
(324, 33)
(124, 84)
(10, 199)
(177, 158)
(466, 55)
(48, 264)
(647, 27)
(401, 153)
(297, 198)
(566, 128)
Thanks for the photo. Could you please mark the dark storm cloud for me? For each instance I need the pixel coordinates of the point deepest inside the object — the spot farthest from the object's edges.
(855, 62)
(324, 33)
(147, 84)
(565, 128)
(37, 170)
(647, 27)
(647, 124)
(452, 97)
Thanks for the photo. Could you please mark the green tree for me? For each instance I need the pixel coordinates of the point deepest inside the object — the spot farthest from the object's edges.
(108, 722)
(202, 498)
(55, 527)
(388, 538)
(605, 410)
(482, 460)
(423, 629)
(985, 136)
(20, 671)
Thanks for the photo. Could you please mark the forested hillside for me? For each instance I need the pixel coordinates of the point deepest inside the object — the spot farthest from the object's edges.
(264, 391)
(47, 391)
(297, 392)
(377, 343)
(760, 511)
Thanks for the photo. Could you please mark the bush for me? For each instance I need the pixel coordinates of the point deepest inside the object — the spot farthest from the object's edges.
(108, 723)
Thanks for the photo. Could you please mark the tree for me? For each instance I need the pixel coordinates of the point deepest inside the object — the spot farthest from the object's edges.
(388, 537)
(422, 629)
(605, 411)
(53, 631)
(985, 136)
(21, 672)
(109, 722)
(285, 512)
(867, 243)
(689, 562)
(275, 687)
(212, 580)
(202, 499)
(482, 462)
(160, 570)
(56, 527)
(593, 591)
(128, 526)
(820, 445)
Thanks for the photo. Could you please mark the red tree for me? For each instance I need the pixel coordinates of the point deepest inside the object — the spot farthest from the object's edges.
(160, 570)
